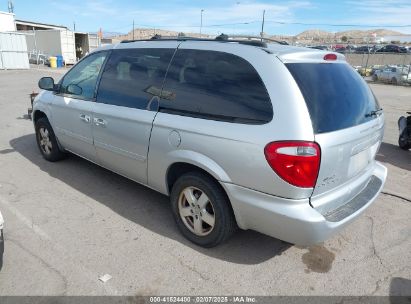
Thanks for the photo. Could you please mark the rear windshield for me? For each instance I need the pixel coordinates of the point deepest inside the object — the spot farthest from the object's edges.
(336, 95)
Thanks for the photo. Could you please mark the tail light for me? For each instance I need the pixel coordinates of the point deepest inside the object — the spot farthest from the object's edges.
(296, 162)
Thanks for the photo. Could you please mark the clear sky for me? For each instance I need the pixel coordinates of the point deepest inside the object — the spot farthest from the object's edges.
(227, 16)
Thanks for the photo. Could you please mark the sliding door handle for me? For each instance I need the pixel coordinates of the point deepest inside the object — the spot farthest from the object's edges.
(100, 122)
(85, 118)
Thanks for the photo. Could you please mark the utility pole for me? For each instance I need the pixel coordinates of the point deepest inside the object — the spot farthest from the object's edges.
(74, 26)
(133, 29)
(35, 47)
(201, 21)
(262, 26)
(10, 7)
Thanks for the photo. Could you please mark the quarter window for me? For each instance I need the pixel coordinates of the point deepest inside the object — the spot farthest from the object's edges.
(81, 80)
(215, 85)
(132, 77)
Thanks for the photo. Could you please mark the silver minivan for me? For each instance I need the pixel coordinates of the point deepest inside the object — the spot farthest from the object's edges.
(269, 137)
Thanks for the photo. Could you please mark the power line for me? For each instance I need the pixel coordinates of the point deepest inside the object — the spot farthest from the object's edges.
(340, 25)
(194, 26)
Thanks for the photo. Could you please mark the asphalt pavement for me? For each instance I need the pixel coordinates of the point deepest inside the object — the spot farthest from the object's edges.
(68, 223)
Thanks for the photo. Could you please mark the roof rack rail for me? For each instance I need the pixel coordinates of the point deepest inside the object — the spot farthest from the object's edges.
(261, 38)
(248, 40)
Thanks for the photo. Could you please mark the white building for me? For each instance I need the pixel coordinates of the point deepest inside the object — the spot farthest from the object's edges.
(13, 46)
(7, 23)
(400, 38)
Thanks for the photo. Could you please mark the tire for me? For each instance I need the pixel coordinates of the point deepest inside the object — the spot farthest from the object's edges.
(403, 143)
(47, 141)
(202, 231)
(394, 81)
(374, 77)
(1, 248)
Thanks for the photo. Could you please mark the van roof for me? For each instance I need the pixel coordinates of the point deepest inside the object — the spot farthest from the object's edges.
(286, 53)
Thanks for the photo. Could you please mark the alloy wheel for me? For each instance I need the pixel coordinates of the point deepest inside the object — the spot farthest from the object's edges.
(196, 211)
(44, 140)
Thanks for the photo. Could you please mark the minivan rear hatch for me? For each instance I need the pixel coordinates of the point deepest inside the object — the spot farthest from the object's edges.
(348, 126)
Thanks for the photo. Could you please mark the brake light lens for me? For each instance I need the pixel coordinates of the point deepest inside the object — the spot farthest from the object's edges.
(330, 57)
(296, 162)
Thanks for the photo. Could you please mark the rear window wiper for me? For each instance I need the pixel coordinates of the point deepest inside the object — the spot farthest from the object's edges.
(374, 113)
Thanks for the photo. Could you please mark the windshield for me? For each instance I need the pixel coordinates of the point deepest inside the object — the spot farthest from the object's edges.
(336, 95)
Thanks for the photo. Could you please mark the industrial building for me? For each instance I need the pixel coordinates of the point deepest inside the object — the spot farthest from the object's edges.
(22, 25)
(41, 41)
(44, 40)
(13, 46)
(7, 22)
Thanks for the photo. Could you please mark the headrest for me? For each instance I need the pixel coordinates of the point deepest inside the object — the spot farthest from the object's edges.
(138, 72)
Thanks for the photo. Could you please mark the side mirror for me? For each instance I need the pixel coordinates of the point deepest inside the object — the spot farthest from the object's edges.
(46, 83)
(74, 89)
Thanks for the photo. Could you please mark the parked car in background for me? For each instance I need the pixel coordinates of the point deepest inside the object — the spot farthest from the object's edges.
(364, 50)
(319, 47)
(376, 67)
(377, 47)
(392, 48)
(393, 74)
(268, 137)
(342, 50)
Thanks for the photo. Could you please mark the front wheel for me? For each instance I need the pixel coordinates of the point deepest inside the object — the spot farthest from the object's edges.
(202, 210)
(1, 248)
(47, 141)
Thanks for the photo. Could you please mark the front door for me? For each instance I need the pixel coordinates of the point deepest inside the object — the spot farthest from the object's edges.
(127, 102)
(72, 106)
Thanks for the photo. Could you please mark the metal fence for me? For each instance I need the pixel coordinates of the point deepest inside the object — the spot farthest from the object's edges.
(13, 51)
(394, 68)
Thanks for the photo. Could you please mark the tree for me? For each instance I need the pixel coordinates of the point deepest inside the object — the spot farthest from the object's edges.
(344, 38)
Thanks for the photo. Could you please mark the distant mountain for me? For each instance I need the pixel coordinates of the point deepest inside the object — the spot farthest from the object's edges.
(314, 33)
(148, 33)
(368, 33)
(308, 35)
(109, 34)
(355, 34)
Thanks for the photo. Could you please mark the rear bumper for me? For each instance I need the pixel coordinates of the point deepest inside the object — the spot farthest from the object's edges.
(295, 221)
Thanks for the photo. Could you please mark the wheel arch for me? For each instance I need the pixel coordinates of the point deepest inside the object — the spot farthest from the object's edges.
(38, 114)
(177, 169)
(183, 161)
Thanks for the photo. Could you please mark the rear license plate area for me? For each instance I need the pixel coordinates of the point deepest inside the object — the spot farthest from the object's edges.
(361, 160)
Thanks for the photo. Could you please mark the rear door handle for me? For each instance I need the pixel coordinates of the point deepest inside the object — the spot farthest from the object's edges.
(99, 122)
(85, 118)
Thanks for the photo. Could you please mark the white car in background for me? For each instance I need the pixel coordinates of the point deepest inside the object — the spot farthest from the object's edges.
(393, 74)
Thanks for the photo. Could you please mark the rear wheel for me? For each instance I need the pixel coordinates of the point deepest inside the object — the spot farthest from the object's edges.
(47, 141)
(202, 210)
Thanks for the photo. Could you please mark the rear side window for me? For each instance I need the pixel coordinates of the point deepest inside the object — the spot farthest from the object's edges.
(132, 77)
(215, 85)
(336, 95)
